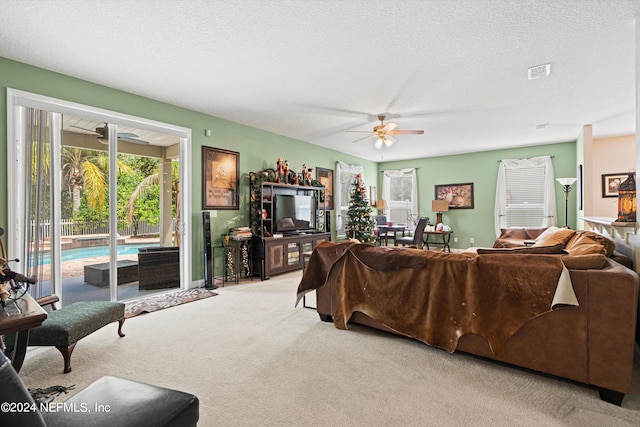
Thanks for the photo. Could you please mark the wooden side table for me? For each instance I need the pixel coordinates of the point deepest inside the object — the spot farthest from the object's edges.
(446, 237)
(238, 260)
(19, 316)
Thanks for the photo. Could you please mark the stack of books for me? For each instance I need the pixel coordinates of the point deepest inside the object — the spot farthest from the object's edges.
(240, 233)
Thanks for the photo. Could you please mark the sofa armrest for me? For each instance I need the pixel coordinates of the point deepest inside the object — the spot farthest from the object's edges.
(612, 316)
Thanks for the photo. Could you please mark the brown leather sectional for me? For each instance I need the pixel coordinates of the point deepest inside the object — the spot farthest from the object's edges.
(592, 343)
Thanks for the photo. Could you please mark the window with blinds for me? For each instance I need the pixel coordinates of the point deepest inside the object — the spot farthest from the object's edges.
(525, 197)
(400, 198)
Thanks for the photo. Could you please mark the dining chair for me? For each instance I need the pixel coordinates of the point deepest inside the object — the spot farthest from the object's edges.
(381, 230)
(416, 239)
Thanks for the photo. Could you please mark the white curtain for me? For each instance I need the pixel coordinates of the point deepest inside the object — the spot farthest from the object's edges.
(345, 174)
(405, 202)
(502, 191)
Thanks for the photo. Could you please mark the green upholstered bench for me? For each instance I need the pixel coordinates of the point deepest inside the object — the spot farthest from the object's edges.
(63, 328)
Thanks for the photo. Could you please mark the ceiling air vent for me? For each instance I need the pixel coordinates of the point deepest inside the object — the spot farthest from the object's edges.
(539, 71)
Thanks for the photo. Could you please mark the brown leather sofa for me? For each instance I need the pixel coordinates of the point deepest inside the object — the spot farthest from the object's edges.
(592, 343)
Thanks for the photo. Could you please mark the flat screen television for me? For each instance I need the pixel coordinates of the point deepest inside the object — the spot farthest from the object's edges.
(294, 213)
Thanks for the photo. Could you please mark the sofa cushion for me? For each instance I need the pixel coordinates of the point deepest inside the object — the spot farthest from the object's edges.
(554, 237)
(515, 237)
(554, 249)
(586, 249)
(583, 237)
(584, 262)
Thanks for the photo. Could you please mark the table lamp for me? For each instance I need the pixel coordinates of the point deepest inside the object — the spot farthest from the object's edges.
(439, 206)
(566, 186)
(627, 200)
(382, 205)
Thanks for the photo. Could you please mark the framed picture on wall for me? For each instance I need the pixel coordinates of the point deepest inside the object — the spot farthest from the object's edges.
(325, 177)
(459, 196)
(220, 179)
(611, 182)
(373, 194)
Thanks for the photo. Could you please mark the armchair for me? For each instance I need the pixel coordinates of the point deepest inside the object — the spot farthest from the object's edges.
(130, 404)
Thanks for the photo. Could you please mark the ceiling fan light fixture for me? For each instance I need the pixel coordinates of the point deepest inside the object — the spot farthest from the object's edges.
(387, 142)
(379, 143)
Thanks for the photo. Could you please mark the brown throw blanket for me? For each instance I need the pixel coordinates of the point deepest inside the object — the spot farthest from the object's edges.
(435, 297)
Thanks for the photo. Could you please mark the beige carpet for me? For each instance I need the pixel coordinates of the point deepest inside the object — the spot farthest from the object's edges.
(255, 360)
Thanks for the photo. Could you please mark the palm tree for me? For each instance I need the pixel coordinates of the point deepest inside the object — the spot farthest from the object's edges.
(146, 185)
(85, 170)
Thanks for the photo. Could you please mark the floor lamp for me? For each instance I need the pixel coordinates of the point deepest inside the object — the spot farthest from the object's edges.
(566, 186)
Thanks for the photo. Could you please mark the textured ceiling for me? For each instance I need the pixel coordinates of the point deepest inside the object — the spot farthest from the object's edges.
(312, 70)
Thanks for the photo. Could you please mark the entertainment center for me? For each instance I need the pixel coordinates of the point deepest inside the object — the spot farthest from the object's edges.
(287, 221)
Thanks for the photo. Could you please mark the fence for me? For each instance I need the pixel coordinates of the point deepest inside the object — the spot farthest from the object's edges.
(69, 227)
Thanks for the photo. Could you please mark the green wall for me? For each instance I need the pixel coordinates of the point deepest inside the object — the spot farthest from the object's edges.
(482, 170)
(258, 149)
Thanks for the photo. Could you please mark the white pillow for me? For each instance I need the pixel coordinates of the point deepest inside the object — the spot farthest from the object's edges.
(547, 232)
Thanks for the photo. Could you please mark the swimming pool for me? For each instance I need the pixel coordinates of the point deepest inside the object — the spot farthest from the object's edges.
(92, 252)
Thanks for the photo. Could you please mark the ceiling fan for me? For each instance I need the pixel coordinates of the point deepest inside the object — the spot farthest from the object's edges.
(386, 132)
(103, 135)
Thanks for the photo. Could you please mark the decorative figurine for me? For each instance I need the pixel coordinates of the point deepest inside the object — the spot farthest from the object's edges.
(280, 169)
(286, 172)
(304, 174)
(309, 177)
(6, 274)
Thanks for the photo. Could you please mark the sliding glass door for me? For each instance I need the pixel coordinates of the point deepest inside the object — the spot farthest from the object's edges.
(95, 194)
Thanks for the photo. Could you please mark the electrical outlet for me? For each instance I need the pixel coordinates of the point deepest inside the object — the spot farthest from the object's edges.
(455, 240)
(472, 240)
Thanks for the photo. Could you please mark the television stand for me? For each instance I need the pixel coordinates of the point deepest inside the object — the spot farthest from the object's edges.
(284, 254)
(276, 250)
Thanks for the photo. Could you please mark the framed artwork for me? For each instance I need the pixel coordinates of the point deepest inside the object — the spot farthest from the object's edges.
(459, 196)
(611, 182)
(220, 179)
(325, 177)
(373, 194)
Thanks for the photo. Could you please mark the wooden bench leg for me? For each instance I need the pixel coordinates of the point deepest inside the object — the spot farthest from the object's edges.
(120, 323)
(66, 355)
(67, 350)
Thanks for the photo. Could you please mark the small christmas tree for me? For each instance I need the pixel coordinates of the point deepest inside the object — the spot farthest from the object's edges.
(360, 224)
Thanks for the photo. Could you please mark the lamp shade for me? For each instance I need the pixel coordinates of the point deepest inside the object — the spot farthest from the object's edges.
(439, 205)
(382, 204)
(566, 181)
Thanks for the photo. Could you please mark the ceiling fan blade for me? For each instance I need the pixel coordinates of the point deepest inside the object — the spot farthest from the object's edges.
(86, 131)
(366, 137)
(407, 132)
(127, 135)
(360, 131)
(389, 127)
(134, 141)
